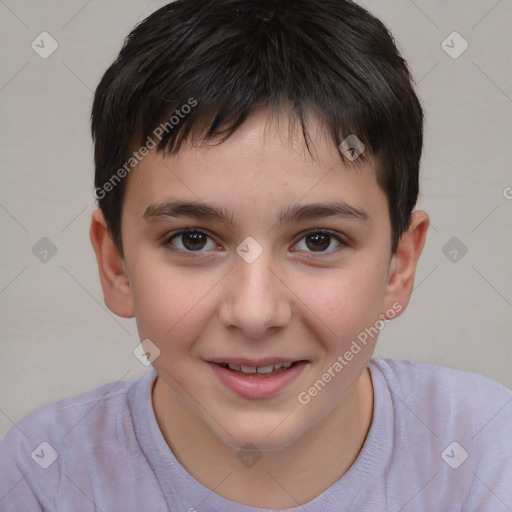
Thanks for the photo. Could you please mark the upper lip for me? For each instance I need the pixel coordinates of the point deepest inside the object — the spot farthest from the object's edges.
(256, 363)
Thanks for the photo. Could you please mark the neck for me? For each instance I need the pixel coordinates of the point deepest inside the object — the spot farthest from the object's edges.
(320, 457)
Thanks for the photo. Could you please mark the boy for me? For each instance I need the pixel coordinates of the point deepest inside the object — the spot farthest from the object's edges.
(257, 171)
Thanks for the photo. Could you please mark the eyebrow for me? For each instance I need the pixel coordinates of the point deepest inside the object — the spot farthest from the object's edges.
(296, 213)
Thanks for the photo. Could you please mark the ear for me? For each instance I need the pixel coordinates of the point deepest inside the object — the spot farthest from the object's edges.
(114, 280)
(402, 267)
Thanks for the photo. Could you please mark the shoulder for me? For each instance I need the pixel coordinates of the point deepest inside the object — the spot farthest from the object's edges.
(58, 420)
(449, 404)
(69, 433)
(439, 384)
(93, 407)
(444, 394)
(456, 423)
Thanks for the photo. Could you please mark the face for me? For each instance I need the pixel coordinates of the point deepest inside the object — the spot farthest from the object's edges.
(265, 284)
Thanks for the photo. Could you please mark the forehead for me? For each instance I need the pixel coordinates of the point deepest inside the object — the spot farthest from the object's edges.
(265, 163)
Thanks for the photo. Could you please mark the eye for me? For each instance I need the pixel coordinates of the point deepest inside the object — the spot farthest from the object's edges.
(319, 240)
(191, 240)
(194, 240)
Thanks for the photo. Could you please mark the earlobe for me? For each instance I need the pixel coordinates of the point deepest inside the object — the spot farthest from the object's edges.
(402, 268)
(114, 280)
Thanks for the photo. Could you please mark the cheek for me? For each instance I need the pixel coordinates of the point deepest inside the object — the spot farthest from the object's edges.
(347, 303)
(169, 301)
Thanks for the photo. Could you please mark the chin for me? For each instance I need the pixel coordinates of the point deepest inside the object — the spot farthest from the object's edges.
(258, 438)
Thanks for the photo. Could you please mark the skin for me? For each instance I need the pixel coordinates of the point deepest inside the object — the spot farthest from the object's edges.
(285, 303)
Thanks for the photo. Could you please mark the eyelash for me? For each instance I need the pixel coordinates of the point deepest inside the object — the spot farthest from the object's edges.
(196, 254)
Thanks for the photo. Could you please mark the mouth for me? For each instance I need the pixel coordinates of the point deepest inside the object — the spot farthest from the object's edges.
(257, 379)
(268, 370)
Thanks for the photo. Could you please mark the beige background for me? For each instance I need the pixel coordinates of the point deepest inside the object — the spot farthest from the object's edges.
(57, 337)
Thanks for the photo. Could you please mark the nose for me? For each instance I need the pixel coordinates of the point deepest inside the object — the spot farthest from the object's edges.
(256, 299)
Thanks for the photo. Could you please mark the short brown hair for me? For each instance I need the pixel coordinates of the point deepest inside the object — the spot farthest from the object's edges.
(328, 57)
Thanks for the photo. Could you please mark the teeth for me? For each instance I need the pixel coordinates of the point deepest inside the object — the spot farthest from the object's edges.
(265, 369)
(261, 369)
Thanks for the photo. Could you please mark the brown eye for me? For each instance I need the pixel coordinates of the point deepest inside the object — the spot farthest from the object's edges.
(319, 241)
(191, 240)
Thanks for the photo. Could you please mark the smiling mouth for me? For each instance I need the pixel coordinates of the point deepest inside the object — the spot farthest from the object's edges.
(261, 371)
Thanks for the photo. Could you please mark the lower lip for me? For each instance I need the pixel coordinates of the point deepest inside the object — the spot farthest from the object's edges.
(257, 387)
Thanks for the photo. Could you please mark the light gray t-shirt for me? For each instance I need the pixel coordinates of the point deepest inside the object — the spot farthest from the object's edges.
(440, 440)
